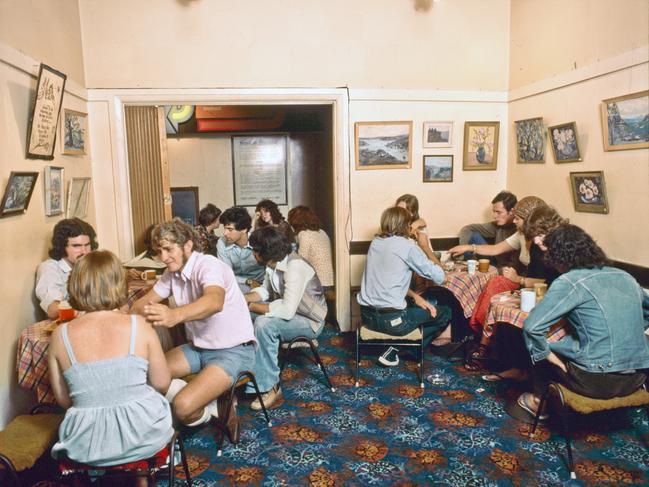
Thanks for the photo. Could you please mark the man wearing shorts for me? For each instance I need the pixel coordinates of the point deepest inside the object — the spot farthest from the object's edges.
(217, 323)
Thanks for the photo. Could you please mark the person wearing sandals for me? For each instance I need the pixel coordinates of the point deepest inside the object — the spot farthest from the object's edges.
(606, 353)
(510, 279)
(108, 370)
(388, 305)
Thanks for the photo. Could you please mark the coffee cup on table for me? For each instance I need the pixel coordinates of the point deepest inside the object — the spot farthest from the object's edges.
(66, 312)
(147, 275)
(528, 299)
(471, 266)
(483, 265)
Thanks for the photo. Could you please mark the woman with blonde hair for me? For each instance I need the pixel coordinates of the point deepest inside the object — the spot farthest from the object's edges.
(388, 305)
(108, 370)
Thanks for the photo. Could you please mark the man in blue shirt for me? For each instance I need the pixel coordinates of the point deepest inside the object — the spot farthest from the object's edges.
(234, 250)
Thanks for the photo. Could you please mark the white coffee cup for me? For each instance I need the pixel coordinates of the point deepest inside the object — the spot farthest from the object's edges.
(528, 299)
(471, 266)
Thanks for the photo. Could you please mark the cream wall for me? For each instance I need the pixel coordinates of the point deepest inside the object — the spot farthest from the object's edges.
(552, 37)
(25, 238)
(458, 44)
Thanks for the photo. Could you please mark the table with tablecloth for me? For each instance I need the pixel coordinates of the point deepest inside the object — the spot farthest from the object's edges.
(468, 287)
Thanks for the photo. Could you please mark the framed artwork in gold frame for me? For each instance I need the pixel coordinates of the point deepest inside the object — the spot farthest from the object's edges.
(625, 121)
(383, 145)
(564, 142)
(480, 146)
(589, 191)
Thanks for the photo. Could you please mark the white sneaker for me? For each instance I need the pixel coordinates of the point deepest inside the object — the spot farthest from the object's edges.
(390, 357)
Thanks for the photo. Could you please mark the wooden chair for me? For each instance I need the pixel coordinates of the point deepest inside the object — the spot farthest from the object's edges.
(563, 400)
(304, 342)
(370, 338)
(25, 439)
(163, 461)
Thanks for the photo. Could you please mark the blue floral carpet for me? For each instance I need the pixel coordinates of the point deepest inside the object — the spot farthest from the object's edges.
(388, 431)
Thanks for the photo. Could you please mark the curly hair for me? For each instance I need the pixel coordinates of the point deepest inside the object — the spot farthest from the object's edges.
(412, 205)
(174, 231)
(303, 218)
(238, 216)
(541, 221)
(270, 243)
(395, 221)
(208, 215)
(271, 207)
(507, 198)
(570, 247)
(97, 282)
(70, 228)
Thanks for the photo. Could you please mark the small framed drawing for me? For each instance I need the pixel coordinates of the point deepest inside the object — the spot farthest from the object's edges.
(383, 145)
(54, 190)
(625, 121)
(438, 134)
(41, 131)
(565, 145)
(78, 194)
(184, 204)
(18, 193)
(480, 146)
(589, 191)
(438, 169)
(73, 132)
(530, 140)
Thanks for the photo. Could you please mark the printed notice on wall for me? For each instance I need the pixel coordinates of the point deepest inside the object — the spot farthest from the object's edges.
(259, 169)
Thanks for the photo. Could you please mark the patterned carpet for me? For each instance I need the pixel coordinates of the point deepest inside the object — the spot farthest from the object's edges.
(391, 432)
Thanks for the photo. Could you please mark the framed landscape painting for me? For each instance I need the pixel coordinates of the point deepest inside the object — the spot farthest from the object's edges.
(438, 169)
(625, 122)
(73, 132)
(480, 146)
(18, 193)
(78, 193)
(54, 190)
(438, 134)
(589, 191)
(530, 140)
(565, 144)
(383, 145)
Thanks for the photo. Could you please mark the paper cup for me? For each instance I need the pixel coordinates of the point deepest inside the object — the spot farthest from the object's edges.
(528, 299)
(471, 266)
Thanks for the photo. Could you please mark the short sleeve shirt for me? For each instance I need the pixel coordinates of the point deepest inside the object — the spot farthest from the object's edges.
(227, 328)
(52, 282)
(517, 242)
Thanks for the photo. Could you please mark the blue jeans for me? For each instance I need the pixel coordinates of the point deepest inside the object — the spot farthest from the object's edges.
(269, 331)
(476, 239)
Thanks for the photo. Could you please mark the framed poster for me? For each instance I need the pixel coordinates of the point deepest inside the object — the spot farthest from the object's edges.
(18, 193)
(624, 121)
(78, 193)
(41, 131)
(73, 132)
(480, 146)
(259, 165)
(54, 190)
(184, 204)
(383, 145)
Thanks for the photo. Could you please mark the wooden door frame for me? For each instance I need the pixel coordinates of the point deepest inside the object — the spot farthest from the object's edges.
(116, 217)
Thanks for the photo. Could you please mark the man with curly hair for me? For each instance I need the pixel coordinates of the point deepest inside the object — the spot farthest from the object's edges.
(71, 240)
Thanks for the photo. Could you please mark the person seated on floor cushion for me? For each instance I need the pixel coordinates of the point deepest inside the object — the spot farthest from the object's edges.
(604, 355)
(217, 323)
(388, 305)
(289, 303)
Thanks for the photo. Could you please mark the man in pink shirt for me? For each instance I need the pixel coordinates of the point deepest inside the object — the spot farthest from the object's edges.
(217, 323)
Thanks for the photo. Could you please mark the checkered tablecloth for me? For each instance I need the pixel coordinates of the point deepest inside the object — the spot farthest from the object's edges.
(505, 308)
(467, 288)
(34, 341)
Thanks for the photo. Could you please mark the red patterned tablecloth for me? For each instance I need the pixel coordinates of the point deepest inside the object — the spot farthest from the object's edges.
(467, 288)
(505, 308)
(34, 341)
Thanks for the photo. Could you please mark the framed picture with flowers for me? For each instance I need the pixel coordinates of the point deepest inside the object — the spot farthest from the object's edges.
(480, 146)
(589, 191)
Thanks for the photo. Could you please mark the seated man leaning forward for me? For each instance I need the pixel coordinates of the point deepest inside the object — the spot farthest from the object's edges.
(499, 229)
(217, 323)
(71, 240)
(235, 251)
(297, 307)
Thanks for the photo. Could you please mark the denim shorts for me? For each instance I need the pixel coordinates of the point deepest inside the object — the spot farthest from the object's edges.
(232, 360)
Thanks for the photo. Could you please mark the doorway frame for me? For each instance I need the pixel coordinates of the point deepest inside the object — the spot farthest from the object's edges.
(110, 161)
